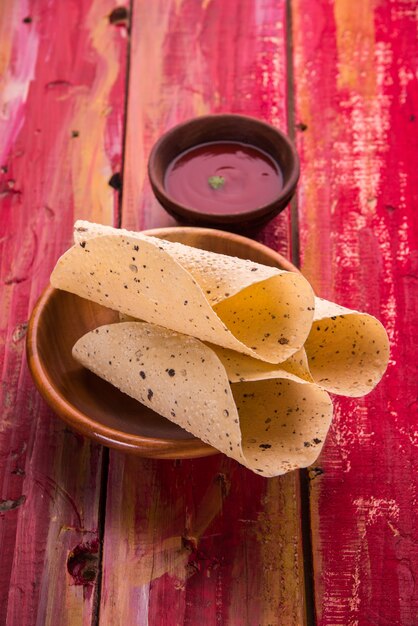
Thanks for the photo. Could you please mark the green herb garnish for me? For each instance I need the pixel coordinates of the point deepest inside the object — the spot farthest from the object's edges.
(216, 182)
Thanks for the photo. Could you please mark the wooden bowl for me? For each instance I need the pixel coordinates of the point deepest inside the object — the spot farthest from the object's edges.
(89, 404)
(215, 128)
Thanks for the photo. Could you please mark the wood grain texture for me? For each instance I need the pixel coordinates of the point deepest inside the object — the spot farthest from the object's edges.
(200, 541)
(356, 105)
(62, 85)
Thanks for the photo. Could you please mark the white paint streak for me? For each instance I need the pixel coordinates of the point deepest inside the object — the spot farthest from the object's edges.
(388, 308)
(384, 58)
(405, 77)
(16, 82)
(369, 120)
(372, 508)
(404, 251)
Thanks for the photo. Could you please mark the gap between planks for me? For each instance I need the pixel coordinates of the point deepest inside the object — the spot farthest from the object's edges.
(95, 618)
(304, 489)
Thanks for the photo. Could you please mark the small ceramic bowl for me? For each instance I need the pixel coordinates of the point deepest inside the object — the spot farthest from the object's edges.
(224, 128)
(89, 404)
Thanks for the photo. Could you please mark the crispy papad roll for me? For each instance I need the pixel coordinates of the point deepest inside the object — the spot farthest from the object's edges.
(251, 308)
(272, 422)
(347, 351)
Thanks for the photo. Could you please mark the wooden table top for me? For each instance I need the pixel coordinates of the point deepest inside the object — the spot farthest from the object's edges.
(92, 536)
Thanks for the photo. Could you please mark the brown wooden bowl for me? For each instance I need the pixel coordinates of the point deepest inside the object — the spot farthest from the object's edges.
(89, 404)
(224, 127)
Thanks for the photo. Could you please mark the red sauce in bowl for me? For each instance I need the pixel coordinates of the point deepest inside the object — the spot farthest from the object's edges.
(225, 177)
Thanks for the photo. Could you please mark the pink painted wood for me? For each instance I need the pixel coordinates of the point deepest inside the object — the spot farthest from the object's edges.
(205, 541)
(62, 98)
(356, 102)
(201, 541)
(184, 62)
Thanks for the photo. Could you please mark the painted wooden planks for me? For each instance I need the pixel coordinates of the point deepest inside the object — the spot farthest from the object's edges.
(356, 104)
(200, 541)
(197, 58)
(62, 91)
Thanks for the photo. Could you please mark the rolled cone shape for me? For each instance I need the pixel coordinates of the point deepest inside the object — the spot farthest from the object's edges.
(348, 351)
(244, 306)
(268, 419)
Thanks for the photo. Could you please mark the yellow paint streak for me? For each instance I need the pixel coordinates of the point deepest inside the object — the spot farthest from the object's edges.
(118, 575)
(311, 208)
(157, 100)
(90, 166)
(73, 607)
(149, 27)
(356, 44)
(281, 572)
(177, 4)
(8, 9)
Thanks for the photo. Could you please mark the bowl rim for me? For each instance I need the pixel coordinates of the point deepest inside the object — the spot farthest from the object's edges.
(187, 212)
(155, 447)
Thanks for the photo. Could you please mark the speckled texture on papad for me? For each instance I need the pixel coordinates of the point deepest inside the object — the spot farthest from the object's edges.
(219, 275)
(347, 351)
(272, 424)
(260, 311)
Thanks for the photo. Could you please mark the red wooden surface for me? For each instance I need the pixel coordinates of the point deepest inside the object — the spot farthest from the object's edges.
(185, 62)
(62, 98)
(205, 541)
(200, 541)
(357, 94)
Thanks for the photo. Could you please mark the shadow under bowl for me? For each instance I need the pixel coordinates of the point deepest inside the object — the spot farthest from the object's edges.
(224, 128)
(91, 405)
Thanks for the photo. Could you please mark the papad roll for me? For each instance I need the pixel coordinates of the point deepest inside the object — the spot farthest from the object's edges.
(257, 310)
(347, 351)
(272, 423)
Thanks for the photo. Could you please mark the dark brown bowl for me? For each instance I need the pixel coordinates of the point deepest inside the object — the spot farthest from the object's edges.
(212, 128)
(89, 404)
